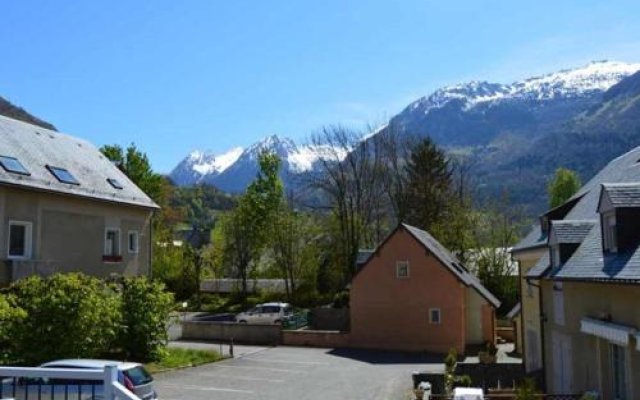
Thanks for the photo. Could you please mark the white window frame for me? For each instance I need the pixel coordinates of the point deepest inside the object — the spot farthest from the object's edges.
(137, 242)
(609, 233)
(107, 251)
(28, 242)
(401, 264)
(431, 320)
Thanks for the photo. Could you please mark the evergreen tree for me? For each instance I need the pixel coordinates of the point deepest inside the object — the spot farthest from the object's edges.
(428, 195)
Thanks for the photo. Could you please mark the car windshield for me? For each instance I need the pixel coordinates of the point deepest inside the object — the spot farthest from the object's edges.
(138, 375)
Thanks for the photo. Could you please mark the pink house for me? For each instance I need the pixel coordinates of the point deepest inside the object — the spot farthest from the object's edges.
(412, 294)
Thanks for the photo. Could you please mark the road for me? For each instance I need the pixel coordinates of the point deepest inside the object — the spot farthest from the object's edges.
(283, 373)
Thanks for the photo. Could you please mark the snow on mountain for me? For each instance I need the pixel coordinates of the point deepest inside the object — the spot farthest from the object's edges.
(207, 163)
(597, 76)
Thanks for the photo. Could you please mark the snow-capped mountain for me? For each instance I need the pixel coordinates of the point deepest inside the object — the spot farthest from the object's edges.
(595, 77)
(493, 121)
(233, 170)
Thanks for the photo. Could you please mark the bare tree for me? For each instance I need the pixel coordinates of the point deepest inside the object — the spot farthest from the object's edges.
(350, 180)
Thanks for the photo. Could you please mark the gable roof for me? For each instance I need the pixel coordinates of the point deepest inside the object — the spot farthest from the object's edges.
(622, 194)
(571, 231)
(445, 257)
(36, 148)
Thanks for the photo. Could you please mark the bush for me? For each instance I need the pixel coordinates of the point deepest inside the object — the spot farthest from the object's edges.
(145, 307)
(69, 315)
(10, 319)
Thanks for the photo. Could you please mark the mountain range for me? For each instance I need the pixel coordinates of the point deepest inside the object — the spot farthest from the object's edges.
(514, 135)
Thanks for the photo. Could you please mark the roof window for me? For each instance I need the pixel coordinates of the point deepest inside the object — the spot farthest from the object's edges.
(11, 164)
(63, 175)
(114, 182)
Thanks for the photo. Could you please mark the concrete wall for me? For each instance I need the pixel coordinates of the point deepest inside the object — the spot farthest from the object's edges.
(530, 314)
(70, 231)
(589, 357)
(330, 319)
(327, 339)
(393, 313)
(227, 331)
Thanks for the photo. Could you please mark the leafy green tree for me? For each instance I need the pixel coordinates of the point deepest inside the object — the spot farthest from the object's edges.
(244, 232)
(294, 248)
(565, 183)
(145, 310)
(11, 319)
(135, 164)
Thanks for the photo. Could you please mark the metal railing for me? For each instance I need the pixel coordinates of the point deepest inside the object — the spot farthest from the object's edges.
(24, 383)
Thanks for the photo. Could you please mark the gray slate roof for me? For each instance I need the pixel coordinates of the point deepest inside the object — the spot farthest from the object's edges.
(623, 169)
(534, 239)
(589, 262)
(450, 261)
(623, 194)
(36, 147)
(571, 231)
(541, 267)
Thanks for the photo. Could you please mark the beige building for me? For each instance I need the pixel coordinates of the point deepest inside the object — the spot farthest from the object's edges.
(589, 280)
(65, 207)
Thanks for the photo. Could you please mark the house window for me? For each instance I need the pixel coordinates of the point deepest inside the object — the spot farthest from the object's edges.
(112, 242)
(434, 315)
(558, 303)
(618, 360)
(402, 269)
(609, 232)
(19, 240)
(133, 242)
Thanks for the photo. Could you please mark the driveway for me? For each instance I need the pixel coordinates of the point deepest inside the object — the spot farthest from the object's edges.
(283, 373)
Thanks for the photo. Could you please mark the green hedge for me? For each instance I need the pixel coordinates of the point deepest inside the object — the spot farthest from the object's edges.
(77, 316)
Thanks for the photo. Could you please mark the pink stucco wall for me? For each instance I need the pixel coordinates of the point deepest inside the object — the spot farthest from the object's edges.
(393, 313)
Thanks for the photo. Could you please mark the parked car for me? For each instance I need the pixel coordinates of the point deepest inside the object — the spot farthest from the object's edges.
(266, 314)
(132, 375)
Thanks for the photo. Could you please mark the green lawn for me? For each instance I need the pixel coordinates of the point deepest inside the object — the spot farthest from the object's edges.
(180, 358)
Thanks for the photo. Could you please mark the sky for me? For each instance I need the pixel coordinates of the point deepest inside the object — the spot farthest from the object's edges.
(175, 76)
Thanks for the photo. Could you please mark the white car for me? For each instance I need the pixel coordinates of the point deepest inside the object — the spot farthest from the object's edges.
(266, 314)
(132, 375)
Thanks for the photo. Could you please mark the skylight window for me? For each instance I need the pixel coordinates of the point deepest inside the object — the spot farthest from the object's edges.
(114, 182)
(11, 164)
(63, 175)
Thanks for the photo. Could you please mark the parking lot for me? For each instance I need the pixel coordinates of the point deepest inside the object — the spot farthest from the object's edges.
(295, 373)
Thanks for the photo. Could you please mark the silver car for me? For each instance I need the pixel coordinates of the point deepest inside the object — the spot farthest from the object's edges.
(266, 314)
(132, 375)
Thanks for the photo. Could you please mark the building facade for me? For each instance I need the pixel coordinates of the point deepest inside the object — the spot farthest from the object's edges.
(412, 294)
(65, 208)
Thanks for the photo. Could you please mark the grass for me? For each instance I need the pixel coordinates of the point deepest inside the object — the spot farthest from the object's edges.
(176, 357)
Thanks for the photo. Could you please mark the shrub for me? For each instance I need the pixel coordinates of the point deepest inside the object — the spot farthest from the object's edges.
(66, 315)
(145, 308)
(10, 319)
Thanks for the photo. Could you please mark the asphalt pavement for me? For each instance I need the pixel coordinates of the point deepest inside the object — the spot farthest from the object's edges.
(295, 373)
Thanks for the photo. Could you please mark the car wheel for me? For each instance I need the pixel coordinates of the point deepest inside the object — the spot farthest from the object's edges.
(243, 321)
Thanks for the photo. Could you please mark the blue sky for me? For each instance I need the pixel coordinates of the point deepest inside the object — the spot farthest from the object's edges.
(173, 76)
